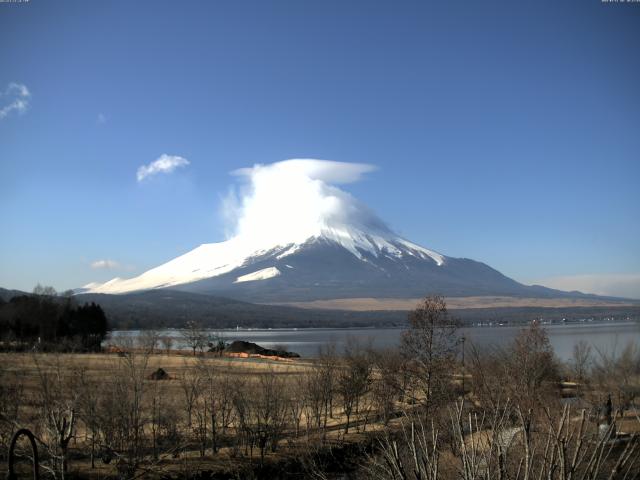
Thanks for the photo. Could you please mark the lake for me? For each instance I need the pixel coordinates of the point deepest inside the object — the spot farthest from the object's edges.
(609, 337)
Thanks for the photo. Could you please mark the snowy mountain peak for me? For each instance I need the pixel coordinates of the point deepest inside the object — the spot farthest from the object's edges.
(284, 208)
(215, 259)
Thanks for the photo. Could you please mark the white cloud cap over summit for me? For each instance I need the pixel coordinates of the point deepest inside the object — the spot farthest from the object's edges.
(328, 171)
(14, 98)
(164, 164)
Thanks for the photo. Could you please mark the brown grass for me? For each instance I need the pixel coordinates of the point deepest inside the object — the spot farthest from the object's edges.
(379, 304)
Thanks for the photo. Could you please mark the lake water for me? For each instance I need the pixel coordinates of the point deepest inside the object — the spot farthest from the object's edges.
(609, 337)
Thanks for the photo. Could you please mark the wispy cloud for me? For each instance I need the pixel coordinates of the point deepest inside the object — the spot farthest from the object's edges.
(14, 98)
(164, 164)
(612, 284)
(105, 264)
(101, 119)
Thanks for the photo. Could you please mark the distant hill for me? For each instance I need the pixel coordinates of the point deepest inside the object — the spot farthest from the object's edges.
(168, 308)
(6, 295)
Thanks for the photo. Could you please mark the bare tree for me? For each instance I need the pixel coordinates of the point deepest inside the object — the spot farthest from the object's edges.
(581, 360)
(262, 412)
(156, 415)
(557, 446)
(216, 401)
(89, 403)
(44, 291)
(195, 336)
(148, 340)
(430, 348)
(314, 403)
(297, 400)
(190, 384)
(225, 412)
(124, 414)
(274, 407)
(354, 380)
(167, 343)
(616, 374)
(414, 454)
(389, 383)
(532, 366)
(525, 371)
(202, 411)
(320, 388)
(58, 400)
(11, 406)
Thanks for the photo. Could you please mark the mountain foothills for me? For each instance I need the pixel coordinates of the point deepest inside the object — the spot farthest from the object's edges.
(165, 308)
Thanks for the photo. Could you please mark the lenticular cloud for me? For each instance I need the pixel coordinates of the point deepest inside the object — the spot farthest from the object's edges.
(292, 200)
(325, 170)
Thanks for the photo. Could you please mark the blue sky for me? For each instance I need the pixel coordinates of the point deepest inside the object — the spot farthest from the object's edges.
(507, 132)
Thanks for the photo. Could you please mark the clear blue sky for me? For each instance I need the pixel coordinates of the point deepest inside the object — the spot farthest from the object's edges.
(507, 132)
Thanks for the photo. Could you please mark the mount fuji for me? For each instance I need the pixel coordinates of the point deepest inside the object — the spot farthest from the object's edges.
(298, 237)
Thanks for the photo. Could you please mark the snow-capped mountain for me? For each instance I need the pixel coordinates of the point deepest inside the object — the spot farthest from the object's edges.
(299, 238)
(240, 257)
(337, 262)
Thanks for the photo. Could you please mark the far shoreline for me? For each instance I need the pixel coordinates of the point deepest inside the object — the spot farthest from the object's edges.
(496, 324)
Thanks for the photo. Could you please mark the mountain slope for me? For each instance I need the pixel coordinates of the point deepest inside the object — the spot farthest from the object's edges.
(300, 239)
(323, 268)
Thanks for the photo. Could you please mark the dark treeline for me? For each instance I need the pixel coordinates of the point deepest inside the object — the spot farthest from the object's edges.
(156, 309)
(173, 309)
(48, 321)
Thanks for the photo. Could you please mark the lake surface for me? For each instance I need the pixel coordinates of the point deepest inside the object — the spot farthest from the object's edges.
(609, 337)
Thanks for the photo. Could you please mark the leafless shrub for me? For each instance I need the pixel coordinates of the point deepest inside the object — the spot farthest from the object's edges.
(492, 445)
(412, 454)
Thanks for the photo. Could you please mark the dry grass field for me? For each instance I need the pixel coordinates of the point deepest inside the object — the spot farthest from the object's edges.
(60, 373)
(383, 304)
(105, 415)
